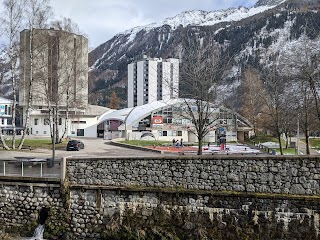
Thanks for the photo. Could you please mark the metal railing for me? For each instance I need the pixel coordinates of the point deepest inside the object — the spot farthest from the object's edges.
(43, 168)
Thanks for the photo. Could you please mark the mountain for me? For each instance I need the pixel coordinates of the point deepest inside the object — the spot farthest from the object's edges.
(248, 34)
(108, 62)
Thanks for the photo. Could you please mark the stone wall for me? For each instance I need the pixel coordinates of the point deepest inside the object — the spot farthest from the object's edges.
(224, 197)
(285, 175)
(20, 204)
(124, 214)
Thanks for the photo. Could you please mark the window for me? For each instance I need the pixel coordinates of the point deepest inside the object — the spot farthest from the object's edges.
(44, 132)
(47, 121)
(78, 122)
(6, 109)
(164, 133)
(36, 121)
(2, 121)
(9, 121)
(179, 133)
(80, 132)
(60, 121)
(37, 132)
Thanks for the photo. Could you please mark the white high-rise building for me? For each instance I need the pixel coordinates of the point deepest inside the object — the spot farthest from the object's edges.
(152, 79)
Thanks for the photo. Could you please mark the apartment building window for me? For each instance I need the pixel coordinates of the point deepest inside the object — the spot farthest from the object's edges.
(36, 121)
(60, 121)
(2, 121)
(6, 109)
(46, 121)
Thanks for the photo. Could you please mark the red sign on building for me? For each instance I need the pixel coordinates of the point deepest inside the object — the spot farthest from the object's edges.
(157, 120)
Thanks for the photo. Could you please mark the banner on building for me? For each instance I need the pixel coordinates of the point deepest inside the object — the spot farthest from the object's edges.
(157, 120)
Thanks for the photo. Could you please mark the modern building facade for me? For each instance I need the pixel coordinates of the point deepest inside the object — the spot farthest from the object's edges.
(163, 119)
(5, 115)
(152, 79)
(77, 124)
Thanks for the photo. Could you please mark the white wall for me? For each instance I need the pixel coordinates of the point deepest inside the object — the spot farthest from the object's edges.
(90, 127)
(152, 81)
(166, 80)
(131, 79)
(140, 82)
(175, 77)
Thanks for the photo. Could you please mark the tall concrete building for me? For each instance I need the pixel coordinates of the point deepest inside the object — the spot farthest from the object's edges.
(58, 67)
(152, 79)
(54, 64)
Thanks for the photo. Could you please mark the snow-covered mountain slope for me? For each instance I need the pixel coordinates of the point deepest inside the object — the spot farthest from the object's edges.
(203, 18)
(235, 28)
(195, 18)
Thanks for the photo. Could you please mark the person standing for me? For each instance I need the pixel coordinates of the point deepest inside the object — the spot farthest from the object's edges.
(181, 142)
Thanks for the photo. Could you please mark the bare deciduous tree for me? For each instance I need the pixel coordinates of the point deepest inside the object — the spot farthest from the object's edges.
(12, 23)
(253, 97)
(37, 15)
(203, 68)
(280, 102)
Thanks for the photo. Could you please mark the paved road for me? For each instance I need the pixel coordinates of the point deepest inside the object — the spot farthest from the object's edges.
(93, 148)
(303, 148)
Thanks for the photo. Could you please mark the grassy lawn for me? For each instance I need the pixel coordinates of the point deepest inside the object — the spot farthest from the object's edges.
(38, 143)
(289, 151)
(314, 142)
(146, 142)
(266, 138)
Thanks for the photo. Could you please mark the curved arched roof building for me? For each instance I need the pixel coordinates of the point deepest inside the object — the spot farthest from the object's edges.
(165, 121)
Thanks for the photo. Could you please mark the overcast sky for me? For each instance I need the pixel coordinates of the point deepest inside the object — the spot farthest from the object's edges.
(100, 20)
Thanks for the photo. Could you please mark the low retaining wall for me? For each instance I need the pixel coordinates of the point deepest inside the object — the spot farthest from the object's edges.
(119, 144)
(286, 175)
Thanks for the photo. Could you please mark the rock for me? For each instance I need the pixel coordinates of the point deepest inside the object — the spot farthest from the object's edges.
(297, 189)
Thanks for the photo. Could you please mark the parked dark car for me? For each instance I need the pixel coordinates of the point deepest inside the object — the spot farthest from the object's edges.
(75, 145)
